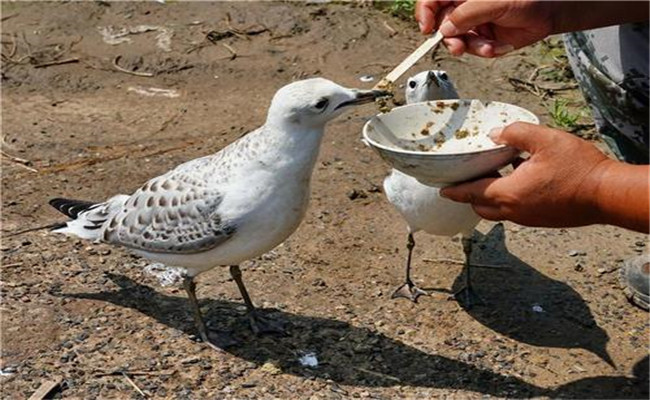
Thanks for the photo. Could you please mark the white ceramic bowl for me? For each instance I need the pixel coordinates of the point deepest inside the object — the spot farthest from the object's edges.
(446, 141)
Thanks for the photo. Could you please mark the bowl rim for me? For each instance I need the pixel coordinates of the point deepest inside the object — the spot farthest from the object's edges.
(429, 154)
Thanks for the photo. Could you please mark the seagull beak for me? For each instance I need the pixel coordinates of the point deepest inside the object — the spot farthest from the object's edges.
(431, 77)
(365, 96)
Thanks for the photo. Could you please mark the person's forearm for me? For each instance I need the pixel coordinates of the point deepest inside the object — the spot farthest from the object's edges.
(572, 16)
(622, 195)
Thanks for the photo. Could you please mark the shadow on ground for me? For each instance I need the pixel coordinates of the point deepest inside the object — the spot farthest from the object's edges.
(351, 355)
(528, 306)
(347, 354)
(609, 387)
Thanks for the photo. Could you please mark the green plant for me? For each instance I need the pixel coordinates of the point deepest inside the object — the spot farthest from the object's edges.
(403, 8)
(562, 117)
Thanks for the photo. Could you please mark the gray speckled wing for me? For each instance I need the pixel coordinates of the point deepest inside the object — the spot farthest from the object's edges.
(174, 213)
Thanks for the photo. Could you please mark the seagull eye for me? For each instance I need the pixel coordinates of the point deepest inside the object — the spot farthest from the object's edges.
(412, 84)
(322, 104)
(443, 76)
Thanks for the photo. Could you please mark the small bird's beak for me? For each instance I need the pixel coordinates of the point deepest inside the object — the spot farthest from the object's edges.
(432, 78)
(365, 96)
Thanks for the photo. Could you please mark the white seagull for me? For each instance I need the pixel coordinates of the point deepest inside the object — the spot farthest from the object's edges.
(225, 208)
(421, 205)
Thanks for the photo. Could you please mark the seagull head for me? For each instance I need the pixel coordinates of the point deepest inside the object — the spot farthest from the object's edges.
(314, 102)
(429, 85)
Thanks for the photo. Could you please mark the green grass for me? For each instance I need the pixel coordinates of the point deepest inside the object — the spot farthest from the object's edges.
(403, 9)
(562, 117)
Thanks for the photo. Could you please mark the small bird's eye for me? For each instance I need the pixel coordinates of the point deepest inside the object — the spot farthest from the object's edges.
(443, 76)
(412, 84)
(322, 104)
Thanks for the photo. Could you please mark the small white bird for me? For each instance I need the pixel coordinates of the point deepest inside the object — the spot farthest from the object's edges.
(228, 207)
(429, 85)
(421, 205)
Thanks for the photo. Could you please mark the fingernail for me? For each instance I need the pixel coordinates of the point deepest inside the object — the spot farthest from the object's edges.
(443, 193)
(500, 49)
(449, 29)
(495, 134)
(421, 25)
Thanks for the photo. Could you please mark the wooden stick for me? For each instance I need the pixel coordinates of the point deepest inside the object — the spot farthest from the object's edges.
(409, 61)
(14, 46)
(12, 265)
(231, 50)
(392, 31)
(100, 373)
(36, 228)
(379, 374)
(126, 71)
(6, 17)
(45, 388)
(134, 385)
(19, 161)
(459, 262)
(59, 62)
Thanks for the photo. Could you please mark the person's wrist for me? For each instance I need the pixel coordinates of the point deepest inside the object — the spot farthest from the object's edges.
(594, 192)
(564, 15)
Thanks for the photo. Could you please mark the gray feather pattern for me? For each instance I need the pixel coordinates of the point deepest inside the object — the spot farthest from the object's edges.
(173, 213)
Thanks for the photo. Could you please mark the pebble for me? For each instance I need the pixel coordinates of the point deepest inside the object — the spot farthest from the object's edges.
(356, 194)
(190, 360)
(9, 370)
(270, 368)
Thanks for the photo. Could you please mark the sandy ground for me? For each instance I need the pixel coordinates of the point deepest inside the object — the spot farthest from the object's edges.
(85, 313)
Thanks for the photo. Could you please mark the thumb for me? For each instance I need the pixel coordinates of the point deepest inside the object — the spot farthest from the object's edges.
(471, 14)
(523, 136)
(473, 192)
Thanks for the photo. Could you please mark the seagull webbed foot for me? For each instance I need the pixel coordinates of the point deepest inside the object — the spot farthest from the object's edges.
(409, 291)
(218, 340)
(261, 324)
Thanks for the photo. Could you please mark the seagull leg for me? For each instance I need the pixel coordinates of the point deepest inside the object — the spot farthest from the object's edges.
(409, 290)
(259, 324)
(213, 340)
(467, 292)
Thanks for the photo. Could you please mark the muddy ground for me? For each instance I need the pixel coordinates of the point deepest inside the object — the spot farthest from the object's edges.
(85, 313)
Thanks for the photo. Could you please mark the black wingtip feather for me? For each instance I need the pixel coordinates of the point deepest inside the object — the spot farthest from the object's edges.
(71, 208)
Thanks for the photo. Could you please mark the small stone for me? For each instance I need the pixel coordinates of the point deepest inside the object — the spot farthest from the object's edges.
(356, 194)
(319, 282)
(573, 253)
(374, 188)
(270, 368)
(190, 360)
(601, 270)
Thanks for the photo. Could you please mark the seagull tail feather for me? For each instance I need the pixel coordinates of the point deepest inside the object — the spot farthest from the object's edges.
(87, 217)
(71, 208)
